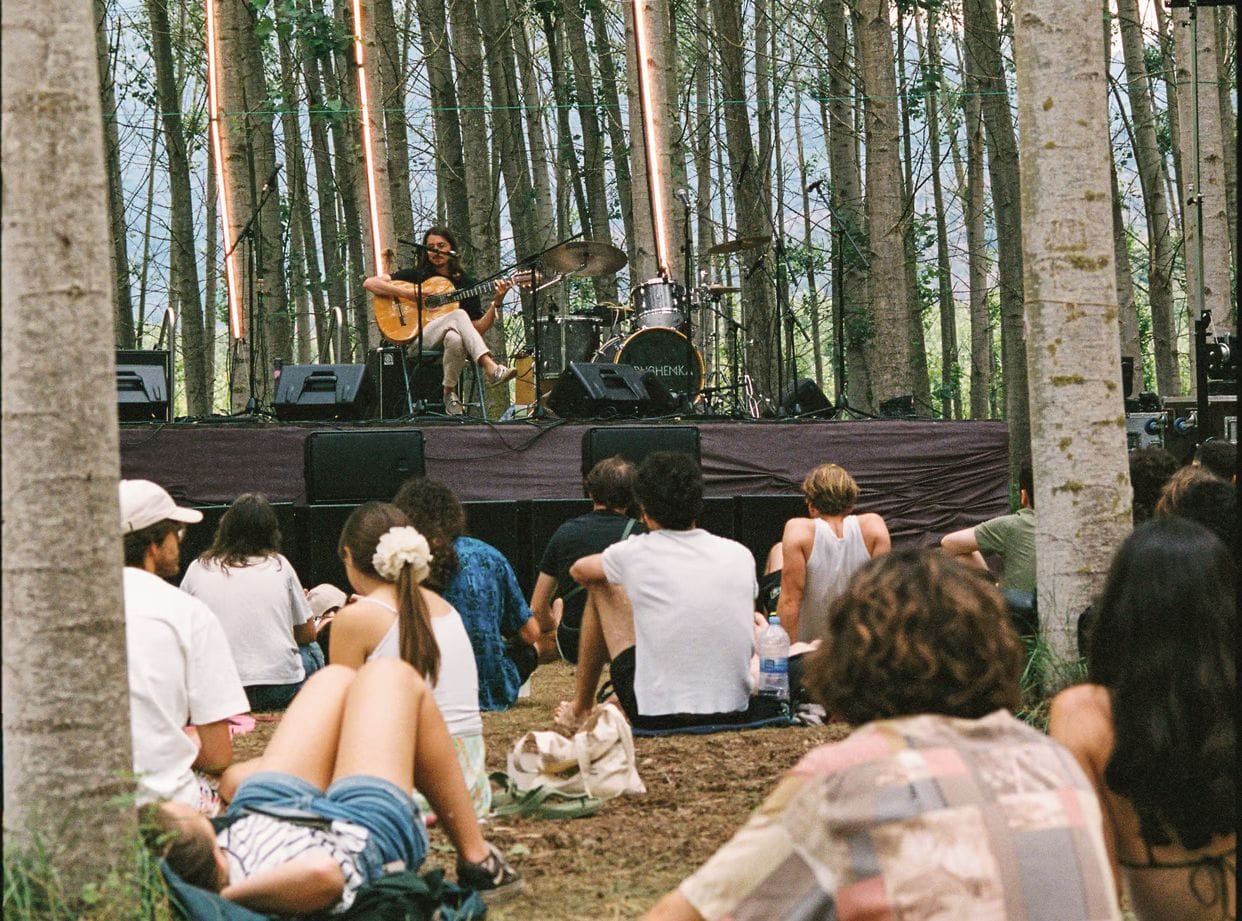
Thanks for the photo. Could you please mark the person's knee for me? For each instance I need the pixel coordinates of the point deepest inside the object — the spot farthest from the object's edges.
(332, 675)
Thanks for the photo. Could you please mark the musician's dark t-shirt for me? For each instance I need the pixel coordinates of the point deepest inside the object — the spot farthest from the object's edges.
(472, 306)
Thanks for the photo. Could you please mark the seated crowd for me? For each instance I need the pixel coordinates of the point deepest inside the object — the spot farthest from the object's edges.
(940, 803)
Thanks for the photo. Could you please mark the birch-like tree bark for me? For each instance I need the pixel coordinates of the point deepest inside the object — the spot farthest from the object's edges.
(65, 764)
(385, 60)
(1078, 440)
(1226, 94)
(1127, 314)
(450, 159)
(617, 141)
(480, 247)
(122, 299)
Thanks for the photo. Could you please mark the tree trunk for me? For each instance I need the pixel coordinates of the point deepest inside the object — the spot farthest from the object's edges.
(211, 274)
(888, 347)
(450, 158)
(65, 764)
(982, 358)
(1226, 91)
(1150, 162)
(148, 211)
(468, 57)
(983, 63)
(384, 57)
(812, 286)
(1127, 312)
(617, 141)
(1165, 39)
(1214, 227)
(1082, 489)
(184, 295)
(537, 140)
(124, 321)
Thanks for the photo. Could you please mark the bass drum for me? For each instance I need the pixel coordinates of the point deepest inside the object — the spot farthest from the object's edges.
(666, 353)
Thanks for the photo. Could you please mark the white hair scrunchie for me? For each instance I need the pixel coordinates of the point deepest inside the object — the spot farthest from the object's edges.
(401, 547)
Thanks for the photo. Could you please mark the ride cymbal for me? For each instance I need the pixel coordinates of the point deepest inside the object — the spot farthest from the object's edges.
(585, 257)
(737, 246)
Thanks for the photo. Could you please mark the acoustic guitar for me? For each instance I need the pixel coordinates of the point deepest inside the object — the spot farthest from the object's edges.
(398, 317)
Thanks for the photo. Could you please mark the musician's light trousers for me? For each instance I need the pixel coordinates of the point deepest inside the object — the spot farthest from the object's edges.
(456, 335)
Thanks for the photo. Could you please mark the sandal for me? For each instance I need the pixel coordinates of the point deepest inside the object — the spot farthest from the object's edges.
(541, 802)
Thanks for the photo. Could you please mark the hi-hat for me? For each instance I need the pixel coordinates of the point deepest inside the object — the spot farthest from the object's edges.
(585, 257)
(737, 246)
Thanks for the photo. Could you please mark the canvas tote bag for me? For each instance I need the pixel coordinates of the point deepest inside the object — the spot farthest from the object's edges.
(598, 761)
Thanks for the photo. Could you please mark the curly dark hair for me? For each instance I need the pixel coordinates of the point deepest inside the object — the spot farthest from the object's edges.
(669, 487)
(1218, 456)
(917, 632)
(1150, 469)
(248, 529)
(436, 511)
(611, 483)
(1164, 644)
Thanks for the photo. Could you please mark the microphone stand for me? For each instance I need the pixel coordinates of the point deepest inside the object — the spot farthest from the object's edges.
(537, 409)
(687, 247)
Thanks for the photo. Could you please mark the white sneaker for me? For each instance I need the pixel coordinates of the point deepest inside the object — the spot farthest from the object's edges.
(501, 374)
(453, 405)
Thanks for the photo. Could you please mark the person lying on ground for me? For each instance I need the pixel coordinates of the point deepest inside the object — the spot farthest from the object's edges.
(941, 803)
(326, 809)
(181, 671)
(1011, 537)
(671, 612)
(394, 615)
(610, 487)
(476, 579)
(1154, 727)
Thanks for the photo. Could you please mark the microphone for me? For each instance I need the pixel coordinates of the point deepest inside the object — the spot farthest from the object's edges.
(272, 178)
(427, 249)
(683, 196)
(814, 186)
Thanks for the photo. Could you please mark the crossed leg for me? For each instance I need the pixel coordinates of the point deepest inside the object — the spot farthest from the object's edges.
(607, 629)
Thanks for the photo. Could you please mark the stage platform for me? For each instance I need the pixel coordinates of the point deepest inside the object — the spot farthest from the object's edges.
(519, 480)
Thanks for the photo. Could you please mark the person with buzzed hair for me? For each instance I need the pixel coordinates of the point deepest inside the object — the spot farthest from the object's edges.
(610, 487)
(181, 670)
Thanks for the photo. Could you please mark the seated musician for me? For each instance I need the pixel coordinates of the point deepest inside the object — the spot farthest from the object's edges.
(460, 331)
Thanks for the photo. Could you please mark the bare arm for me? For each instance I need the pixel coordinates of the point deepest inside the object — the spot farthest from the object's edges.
(796, 550)
(875, 534)
(308, 883)
(304, 634)
(384, 286)
(484, 323)
(541, 601)
(673, 907)
(589, 571)
(960, 543)
(215, 751)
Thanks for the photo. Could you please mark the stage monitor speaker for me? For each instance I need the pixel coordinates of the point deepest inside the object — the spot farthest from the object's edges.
(360, 466)
(143, 391)
(806, 400)
(313, 393)
(634, 442)
(595, 391)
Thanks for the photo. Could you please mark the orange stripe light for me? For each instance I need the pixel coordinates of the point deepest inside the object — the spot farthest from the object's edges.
(655, 181)
(236, 330)
(368, 146)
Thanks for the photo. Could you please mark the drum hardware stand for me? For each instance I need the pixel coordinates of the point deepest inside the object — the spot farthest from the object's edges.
(735, 364)
(537, 410)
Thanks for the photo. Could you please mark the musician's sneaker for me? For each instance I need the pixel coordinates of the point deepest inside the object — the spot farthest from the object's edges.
(453, 405)
(501, 374)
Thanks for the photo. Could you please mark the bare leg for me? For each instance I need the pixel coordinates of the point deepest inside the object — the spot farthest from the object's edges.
(607, 629)
(776, 559)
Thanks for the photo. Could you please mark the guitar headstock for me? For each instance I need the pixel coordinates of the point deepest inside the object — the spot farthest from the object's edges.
(526, 278)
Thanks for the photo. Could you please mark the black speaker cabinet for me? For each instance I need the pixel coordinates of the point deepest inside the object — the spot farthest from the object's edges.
(360, 466)
(311, 393)
(143, 385)
(807, 400)
(600, 391)
(634, 442)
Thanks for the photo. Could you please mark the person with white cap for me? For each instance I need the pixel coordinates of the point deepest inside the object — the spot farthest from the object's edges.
(181, 671)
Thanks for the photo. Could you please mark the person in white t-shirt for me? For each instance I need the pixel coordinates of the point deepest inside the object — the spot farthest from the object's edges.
(181, 672)
(393, 615)
(671, 611)
(260, 602)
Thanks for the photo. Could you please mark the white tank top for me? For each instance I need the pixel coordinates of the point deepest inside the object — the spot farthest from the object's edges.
(457, 691)
(832, 562)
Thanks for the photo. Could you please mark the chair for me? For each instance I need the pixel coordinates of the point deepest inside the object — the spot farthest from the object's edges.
(434, 358)
(407, 383)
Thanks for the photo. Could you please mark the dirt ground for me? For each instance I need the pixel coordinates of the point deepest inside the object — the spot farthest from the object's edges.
(618, 863)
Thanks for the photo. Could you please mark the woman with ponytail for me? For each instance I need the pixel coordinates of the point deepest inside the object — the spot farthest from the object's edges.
(393, 615)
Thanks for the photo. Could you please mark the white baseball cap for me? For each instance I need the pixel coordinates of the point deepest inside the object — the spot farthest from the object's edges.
(324, 598)
(144, 503)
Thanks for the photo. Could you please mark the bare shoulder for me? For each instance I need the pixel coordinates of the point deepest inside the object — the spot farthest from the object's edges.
(799, 530)
(870, 521)
(1081, 719)
(362, 615)
(436, 605)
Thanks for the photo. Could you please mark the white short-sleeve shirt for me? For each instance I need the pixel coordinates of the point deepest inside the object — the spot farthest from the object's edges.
(181, 673)
(693, 596)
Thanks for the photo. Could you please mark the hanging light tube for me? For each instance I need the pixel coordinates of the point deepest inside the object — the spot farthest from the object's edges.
(368, 146)
(655, 181)
(236, 329)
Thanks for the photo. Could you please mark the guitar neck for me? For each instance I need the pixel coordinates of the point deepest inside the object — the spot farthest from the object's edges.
(458, 294)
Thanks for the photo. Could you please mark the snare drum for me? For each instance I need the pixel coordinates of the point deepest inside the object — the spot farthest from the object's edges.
(659, 303)
(666, 353)
(580, 336)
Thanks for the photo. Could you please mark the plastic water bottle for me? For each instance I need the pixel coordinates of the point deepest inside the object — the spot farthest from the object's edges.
(774, 660)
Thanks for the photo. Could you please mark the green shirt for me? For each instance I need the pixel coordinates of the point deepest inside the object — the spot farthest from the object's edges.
(1013, 537)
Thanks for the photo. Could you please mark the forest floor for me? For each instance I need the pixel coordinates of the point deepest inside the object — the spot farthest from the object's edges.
(618, 863)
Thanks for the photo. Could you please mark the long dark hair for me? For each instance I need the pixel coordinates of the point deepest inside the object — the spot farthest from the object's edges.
(435, 510)
(453, 265)
(415, 637)
(1164, 644)
(248, 529)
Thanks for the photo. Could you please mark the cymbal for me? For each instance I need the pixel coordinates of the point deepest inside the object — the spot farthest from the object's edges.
(585, 257)
(736, 246)
(718, 290)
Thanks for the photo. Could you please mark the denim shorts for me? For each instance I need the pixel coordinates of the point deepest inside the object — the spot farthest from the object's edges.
(386, 811)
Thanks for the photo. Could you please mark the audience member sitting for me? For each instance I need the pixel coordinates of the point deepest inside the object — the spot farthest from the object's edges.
(671, 610)
(1212, 503)
(1179, 482)
(476, 579)
(1011, 537)
(181, 671)
(394, 616)
(1155, 727)
(325, 599)
(259, 600)
(325, 810)
(1220, 457)
(941, 804)
(1150, 469)
(610, 487)
(821, 552)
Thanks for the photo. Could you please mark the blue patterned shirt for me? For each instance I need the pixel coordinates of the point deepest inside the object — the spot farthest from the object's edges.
(485, 592)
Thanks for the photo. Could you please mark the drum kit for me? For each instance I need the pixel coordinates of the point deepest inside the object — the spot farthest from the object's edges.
(655, 339)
